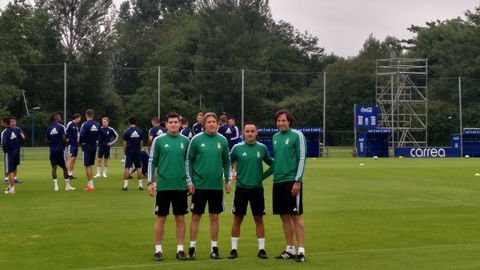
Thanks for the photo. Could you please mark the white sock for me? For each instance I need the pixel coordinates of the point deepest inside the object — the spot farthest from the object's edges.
(67, 182)
(125, 183)
(290, 249)
(140, 182)
(99, 169)
(261, 243)
(179, 248)
(90, 183)
(105, 171)
(12, 188)
(55, 182)
(235, 242)
(193, 243)
(301, 250)
(6, 178)
(213, 243)
(15, 177)
(70, 173)
(158, 248)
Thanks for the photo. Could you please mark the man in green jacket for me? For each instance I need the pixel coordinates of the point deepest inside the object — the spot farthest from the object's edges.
(289, 148)
(248, 156)
(208, 167)
(167, 165)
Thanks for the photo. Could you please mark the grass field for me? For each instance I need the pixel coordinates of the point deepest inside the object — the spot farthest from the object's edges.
(387, 214)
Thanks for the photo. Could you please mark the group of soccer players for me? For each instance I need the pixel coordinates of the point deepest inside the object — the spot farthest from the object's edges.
(200, 167)
(183, 162)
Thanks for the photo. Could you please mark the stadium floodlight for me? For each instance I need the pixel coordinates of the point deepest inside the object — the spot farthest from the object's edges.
(33, 124)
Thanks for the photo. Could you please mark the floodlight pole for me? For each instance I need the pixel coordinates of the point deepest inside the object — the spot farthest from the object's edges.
(243, 97)
(158, 91)
(460, 109)
(392, 108)
(324, 108)
(64, 90)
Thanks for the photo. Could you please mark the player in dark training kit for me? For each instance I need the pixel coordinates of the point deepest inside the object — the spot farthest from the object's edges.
(73, 135)
(208, 168)
(12, 137)
(132, 147)
(167, 162)
(108, 136)
(198, 126)
(89, 134)
(248, 157)
(55, 137)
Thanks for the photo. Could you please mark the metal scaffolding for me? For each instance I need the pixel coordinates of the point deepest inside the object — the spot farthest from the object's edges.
(402, 97)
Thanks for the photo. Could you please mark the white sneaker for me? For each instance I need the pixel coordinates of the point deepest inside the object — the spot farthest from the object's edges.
(55, 188)
(104, 175)
(97, 175)
(9, 191)
(69, 188)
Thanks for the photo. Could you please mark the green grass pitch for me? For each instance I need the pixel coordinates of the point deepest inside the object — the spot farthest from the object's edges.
(386, 214)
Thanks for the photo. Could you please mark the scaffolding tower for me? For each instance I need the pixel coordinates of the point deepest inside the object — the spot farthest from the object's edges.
(401, 95)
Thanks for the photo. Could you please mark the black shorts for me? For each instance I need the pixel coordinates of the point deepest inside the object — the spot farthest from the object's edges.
(283, 201)
(57, 158)
(214, 197)
(73, 150)
(135, 159)
(104, 152)
(245, 195)
(178, 198)
(11, 161)
(89, 156)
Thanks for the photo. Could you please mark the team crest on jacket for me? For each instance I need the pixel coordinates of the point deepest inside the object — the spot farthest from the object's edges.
(287, 140)
(219, 145)
(258, 154)
(182, 146)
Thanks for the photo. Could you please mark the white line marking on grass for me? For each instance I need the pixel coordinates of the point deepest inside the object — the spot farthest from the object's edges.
(309, 255)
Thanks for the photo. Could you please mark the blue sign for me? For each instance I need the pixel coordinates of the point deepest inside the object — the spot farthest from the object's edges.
(471, 132)
(366, 117)
(426, 152)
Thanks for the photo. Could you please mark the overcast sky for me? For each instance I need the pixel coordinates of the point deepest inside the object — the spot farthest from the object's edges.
(343, 25)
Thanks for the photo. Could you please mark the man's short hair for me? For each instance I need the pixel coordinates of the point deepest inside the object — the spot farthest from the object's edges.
(106, 118)
(200, 113)
(6, 121)
(155, 120)
(173, 115)
(287, 114)
(209, 114)
(53, 117)
(184, 120)
(223, 119)
(132, 120)
(89, 113)
(250, 123)
(76, 115)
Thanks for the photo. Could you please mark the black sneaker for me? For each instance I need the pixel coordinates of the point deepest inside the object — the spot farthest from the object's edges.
(72, 177)
(182, 256)
(233, 254)
(191, 253)
(285, 255)
(300, 257)
(140, 188)
(125, 189)
(262, 254)
(158, 256)
(214, 254)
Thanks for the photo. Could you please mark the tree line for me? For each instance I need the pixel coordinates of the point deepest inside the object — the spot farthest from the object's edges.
(112, 54)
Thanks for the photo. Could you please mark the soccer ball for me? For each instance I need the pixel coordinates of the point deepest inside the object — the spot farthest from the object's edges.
(375, 157)
(467, 156)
